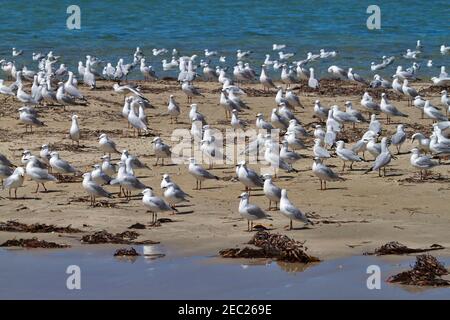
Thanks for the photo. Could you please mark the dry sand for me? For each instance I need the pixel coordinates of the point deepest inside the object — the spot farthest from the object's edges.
(370, 210)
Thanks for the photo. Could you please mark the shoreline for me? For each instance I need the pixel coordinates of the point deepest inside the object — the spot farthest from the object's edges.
(371, 210)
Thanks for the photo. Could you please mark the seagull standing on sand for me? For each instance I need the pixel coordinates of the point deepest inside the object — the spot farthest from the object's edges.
(173, 109)
(312, 82)
(59, 165)
(14, 181)
(162, 150)
(271, 191)
(29, 119)
(250, 212)
(35, 170)
(399, 137)
(154, 203)
(174, 194)
(107, 145)
(249, 178)
(324, 173)
(290, 211)
(346, 154)
(93, 189)
(389, 109)
(190, 90)
(74, 131)
(199, 173)
(383, 159)
(421, 162)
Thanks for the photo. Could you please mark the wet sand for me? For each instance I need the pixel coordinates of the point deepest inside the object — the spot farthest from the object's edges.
(369, 210)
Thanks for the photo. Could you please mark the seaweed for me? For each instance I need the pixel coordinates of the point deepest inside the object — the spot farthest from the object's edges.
(33, 243)
(124, 252)
(14, 226)
(427, 271)
(395, 247)
(274, 246)
(126, 237)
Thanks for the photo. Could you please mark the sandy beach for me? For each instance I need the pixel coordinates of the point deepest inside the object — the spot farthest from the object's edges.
(351, 217)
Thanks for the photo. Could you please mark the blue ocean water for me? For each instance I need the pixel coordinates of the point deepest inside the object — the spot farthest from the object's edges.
(112, 29)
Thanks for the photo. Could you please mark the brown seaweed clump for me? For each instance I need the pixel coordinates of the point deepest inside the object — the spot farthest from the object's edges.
(126, 237)
(14, 226)
(427, 271)
(274, 246)
(395, 247)
(33, 243)
(124, 252)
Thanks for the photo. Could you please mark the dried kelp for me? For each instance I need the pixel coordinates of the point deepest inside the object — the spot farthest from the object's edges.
(395, 247)
(274, 246)
(124, 252)
(427, 271)
(126, 237)
(32, 243)
(14, 226)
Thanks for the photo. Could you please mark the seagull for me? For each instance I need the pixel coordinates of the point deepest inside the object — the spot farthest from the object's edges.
(320, 111)
(285, 56)
(16, 53)
(99, 176)
(290, 211)
(93, 189)
(250, 212)
(162, 150)
(419, 103)
(249, 178)
(29, 119)
(290, 157)
(14, 181)
(59, 165)
(199, 173)
(62, 97)
(444, 49)
(127, 181)
(271, 191)
(312, 82)
(319, 151)
(154, 204)
(409, 91)
(107, 145)
(421, 162)
(399, 137)
(265, 80)
(263, 124)
(107, 166)
(71, 89)
(389, 109)
(24, 97)
(277, 47)
(74, 131)
(383, 159)
(353, 112)
(324, 173)
(242, 54)
(36, 173)
(432, 113)
(337, 72)
(293, 99)
(424, 142)
(147, 71)
(355, 77)
(190, 90)
(173, 109)
(346, 154)
(174, 194)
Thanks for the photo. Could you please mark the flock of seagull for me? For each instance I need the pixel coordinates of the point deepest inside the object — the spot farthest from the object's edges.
(58, 86)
